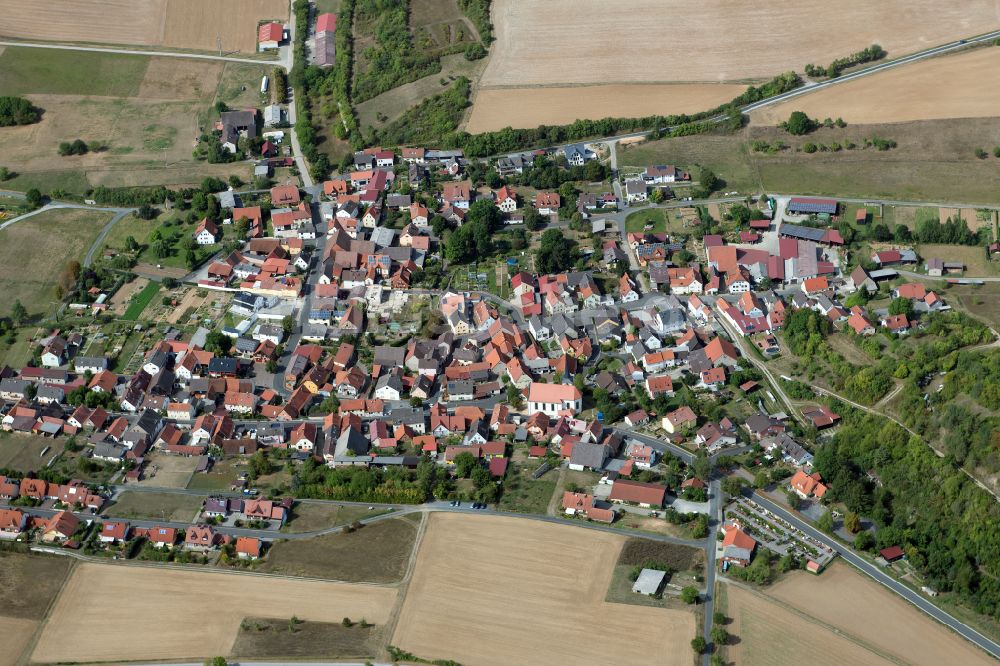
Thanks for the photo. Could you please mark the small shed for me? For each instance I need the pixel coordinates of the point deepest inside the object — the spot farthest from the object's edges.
(649, 582)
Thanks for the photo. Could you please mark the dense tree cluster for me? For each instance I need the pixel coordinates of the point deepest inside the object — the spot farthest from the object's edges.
(944, 523)
(17, 111)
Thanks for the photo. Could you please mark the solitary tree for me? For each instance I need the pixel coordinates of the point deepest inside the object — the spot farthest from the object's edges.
(698, 644)
(852, 522)
(18, 313)
(689, 594)
(825, 521)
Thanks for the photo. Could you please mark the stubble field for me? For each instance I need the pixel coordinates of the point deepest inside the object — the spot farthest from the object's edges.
(946, 87)
(587, 41)
(185, 614)
(769, 633)
(496, 108)
(862, 608)
(181, 24)
(519, 592)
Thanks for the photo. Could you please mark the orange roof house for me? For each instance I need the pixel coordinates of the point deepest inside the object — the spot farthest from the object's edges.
(737, 545)
(248, 548)
(808, 485)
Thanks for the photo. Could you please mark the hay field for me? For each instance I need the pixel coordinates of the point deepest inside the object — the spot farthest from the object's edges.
(588, 41)
(771, 634)
(496, 108)
(946, 87)
(182, 24)
(859, 606)
(185, 614)
(496, 590)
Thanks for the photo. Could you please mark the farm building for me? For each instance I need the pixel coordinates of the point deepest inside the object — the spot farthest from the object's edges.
(270, 36)
(324, 52)
(804, 206)
(829, 236)
(649, 582)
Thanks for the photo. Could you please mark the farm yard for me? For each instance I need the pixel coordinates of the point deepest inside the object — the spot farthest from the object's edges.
(539, 42)
(45, 243)
(860, 607)
(556, 576)
(496, 108)
(945, 87)
(198, 613)
(143, 112)
(171, 24)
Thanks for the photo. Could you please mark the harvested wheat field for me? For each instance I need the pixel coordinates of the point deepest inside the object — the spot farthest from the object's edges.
(588, 41)
(183, 24)
(497, 590)
(946, 87)
(768, 633)
(16, 633)
(185, 614)
(862, 608)
(496, 108)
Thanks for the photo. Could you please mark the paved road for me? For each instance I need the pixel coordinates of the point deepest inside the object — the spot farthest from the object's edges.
(164, 54)
(873, 571)
(714, 523)
(924, 276)
(89, 259)
(63, 205)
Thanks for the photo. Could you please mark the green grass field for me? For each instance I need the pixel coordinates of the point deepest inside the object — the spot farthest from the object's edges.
(140, 301)
(260, 638)
(48, 71)
(23, 452)
(155, 506)
(637, 221)
(933, 161)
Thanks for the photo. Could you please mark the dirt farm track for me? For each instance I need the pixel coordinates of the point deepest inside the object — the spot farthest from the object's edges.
(591, 41)
(182, 614)
(517, 592)
(182, 24)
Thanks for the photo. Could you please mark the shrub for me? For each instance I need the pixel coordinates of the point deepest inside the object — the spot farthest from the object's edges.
(809, 148)
(980, 153)
(799, 123)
